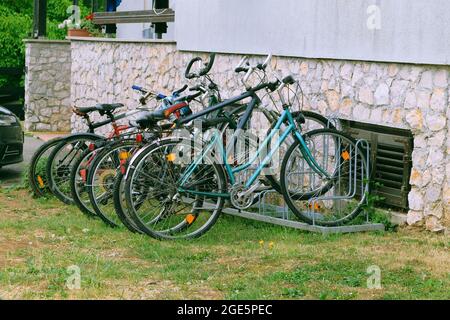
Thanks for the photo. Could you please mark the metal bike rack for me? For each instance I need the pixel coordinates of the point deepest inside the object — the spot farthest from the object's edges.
(279, 214)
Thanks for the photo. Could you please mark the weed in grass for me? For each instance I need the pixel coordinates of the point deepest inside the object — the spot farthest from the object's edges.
(293, 292)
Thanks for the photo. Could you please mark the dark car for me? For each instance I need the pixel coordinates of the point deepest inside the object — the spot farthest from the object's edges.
(11, 138)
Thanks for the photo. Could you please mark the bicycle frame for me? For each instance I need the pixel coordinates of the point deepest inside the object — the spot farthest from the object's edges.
(291, 128)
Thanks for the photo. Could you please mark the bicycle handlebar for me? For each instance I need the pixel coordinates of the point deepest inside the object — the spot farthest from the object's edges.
(177, 92)
(240, 69)
(190, 75)
(187, 73)
(244, 66)
(198, 88)
(204, 71)
(264, 65)
(138, 88)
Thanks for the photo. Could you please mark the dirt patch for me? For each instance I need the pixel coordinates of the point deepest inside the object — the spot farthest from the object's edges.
(147, 290)
(7, 247)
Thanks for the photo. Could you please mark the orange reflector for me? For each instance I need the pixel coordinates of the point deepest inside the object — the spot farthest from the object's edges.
(41, 182)
(171, 157)
(316, 206)
(190, 218)
(345, 155)
(123, 155)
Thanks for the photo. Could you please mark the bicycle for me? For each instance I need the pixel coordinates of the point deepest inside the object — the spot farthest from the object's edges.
(143, 128)
(223, 122)
(36, 173)
(64, 154)
(180, 193)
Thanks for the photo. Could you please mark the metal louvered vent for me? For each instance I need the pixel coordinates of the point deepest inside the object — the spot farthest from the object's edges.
(391, 159)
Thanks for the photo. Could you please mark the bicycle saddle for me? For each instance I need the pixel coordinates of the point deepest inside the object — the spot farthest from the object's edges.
(102, 108)
(148, 119)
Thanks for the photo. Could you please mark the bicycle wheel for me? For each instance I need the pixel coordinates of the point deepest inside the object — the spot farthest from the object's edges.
(120, 204)
(101, 176)
(37, 177)
(313, 121)
(320, 200)
(78, 180)
(61, 161)
(157, 203)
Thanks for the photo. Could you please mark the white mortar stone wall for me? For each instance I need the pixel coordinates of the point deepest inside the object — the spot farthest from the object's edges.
(47, 85)
(414, 97)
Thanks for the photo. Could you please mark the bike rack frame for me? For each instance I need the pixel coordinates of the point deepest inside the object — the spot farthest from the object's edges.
(281, 215)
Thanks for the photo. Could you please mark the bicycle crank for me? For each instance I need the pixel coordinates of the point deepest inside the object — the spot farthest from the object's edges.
(243, 198)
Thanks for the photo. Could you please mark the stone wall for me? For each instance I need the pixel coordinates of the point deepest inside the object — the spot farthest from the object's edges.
(47, 85)
(414, 97)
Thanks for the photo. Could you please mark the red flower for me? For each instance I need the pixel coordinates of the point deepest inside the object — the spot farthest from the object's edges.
(90, 17)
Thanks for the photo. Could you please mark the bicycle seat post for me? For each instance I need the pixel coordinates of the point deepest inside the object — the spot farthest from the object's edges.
(89, 122)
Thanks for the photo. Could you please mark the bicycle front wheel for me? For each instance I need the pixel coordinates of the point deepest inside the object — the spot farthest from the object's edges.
(327, 201)
(120, 204)
(313, 121)
(61, 161)
(101, 177)
(37, 177)
(78, 181)
(163, 205)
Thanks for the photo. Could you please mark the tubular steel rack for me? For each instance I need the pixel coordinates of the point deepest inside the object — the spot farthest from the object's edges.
(279, 214)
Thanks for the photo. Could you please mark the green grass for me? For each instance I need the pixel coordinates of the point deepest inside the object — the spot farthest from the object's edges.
(237, 259)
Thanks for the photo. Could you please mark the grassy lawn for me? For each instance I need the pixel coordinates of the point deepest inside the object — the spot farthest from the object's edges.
(238, 259)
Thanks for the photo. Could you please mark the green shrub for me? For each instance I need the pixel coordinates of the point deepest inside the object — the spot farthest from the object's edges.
(16, 24)
(22, 7)
(13, 28)
(57, 10)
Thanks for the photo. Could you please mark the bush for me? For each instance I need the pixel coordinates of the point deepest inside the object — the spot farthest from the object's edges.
(22, 7)
(13, 28)
(57, 10)
(16, 24)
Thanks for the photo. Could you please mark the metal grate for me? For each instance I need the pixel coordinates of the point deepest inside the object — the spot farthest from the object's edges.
(391, 153)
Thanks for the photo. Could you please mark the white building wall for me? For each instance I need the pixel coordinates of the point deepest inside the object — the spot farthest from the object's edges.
(414, 31)
(135, 30)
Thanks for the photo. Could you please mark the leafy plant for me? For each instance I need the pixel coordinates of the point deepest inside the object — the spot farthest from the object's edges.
(16, 24)
(85, 24)
(13, 28)
(376, 216)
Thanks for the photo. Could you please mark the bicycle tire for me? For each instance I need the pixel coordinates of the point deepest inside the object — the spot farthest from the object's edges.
(289, 198)
(37, 182)
(162, 235)
(311, 115)
(119, 203)
(53, 185)
(92, 171)
(76, 196)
